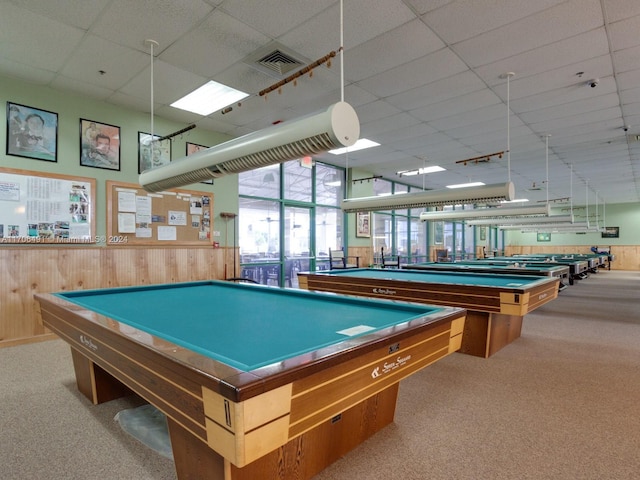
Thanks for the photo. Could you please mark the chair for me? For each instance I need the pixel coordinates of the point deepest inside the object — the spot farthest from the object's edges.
(390, 261)
(337, 259)
(442, 255)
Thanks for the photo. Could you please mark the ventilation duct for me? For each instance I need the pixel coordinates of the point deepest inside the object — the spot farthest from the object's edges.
(335, 127)
(483, 194)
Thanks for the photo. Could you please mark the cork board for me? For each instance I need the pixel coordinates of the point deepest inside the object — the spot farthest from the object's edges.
(175, 217)
(46, 208)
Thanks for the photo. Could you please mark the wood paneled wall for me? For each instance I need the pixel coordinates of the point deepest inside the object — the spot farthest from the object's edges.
(627, 257)
(26, 271)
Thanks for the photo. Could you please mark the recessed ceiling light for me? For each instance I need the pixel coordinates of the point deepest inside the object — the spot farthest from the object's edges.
(208, 98)
(465, 185)
(420, 171)
(359, 145)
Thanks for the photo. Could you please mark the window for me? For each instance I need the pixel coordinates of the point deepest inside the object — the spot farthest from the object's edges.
(329, 185)
(289, 207)
(297, 182)
(263, 182)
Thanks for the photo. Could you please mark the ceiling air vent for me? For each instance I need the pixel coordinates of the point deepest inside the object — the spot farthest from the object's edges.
(276, 60)
(633, 138)
(280, 62)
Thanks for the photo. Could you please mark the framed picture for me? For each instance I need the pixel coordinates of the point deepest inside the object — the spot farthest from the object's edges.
(363, 224)
(611, 232)
(194, 148)
(543, 237)
(99, 145)
(152, 154)
(32, 133)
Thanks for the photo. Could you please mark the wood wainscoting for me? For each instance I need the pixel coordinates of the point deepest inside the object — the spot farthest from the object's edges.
(28, 270)
(627, 257)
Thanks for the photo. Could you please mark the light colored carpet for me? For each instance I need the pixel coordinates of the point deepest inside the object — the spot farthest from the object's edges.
(561, 402)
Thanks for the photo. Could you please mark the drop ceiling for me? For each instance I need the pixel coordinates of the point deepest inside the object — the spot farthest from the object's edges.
(425, 76)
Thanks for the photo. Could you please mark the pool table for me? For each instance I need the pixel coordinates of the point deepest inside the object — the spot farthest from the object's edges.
(578, 269)
(496, 304)
(515, 268)
(594, 260)
(256, 382)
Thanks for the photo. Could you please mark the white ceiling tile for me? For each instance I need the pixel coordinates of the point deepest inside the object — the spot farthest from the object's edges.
(585, 106)
(554, 24)
(376, 110)
(77, 13)
(576, 51)
(25, 37)
(560, 96)
(396, 47)
(274, 18)
(453, 106)
(95, 54)
(627, 59)
(629, 80)
(214, 45)
(430, 68)
(458, 21)
(477, 116)
(169, 83)
(620, 9)
(131, 23)
(438, 91)
(624, 34)
(394, 122)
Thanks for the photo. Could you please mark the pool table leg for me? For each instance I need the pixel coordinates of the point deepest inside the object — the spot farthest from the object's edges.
(486, 333)
(95, 383)
(301, 458)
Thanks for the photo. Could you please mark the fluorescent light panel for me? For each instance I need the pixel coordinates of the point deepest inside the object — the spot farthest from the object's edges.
(210, 97)
(420, 171)
(466, 185)
(359, 145)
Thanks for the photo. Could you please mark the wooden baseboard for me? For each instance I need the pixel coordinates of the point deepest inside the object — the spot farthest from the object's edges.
(24, 340)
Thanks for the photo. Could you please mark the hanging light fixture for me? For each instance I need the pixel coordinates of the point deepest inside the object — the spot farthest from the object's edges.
(517, 222)
(498, 214)
(482, 194)
(336, 126)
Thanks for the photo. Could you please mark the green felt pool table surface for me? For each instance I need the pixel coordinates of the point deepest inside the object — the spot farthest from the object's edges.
(480, 265)
(445, 278)
(245, 326)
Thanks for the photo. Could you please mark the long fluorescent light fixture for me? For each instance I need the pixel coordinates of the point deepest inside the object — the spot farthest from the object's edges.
(573, 228)
(336, 126)
(517, 222)
(485, 212)
(530, 222)
(208, 98)
(430, 198)
(420, 171)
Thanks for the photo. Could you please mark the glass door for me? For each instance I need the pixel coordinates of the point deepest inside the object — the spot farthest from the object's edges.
(298, 252)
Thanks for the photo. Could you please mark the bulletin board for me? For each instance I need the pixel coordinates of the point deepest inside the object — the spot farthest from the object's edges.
(176, 217)
(46, 208)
